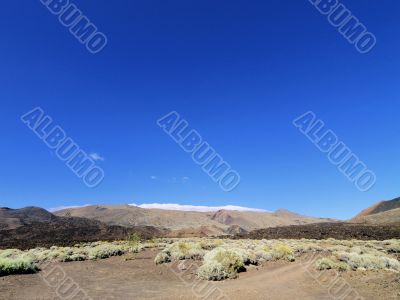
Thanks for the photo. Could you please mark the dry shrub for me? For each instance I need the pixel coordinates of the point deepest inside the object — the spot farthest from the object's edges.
(220, 264)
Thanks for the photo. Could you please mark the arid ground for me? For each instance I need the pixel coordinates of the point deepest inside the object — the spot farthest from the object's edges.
(135, 276)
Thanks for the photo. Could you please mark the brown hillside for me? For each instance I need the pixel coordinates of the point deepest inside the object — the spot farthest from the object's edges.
(377, 208)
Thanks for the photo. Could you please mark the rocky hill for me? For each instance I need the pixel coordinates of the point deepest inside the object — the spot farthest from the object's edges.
(32, 227)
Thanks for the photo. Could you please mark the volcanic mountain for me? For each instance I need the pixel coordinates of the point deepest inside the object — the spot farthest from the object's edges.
(213, 222)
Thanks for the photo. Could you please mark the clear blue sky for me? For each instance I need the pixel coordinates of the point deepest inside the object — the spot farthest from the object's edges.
(238, 71)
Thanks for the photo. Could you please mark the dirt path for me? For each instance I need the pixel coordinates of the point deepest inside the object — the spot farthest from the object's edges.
(275, 282)
(118, 278)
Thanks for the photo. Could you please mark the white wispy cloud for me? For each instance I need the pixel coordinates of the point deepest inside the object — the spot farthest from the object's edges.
(183, 179)
(54, 209)
(96, 157)
(170, 206)
(153, 177)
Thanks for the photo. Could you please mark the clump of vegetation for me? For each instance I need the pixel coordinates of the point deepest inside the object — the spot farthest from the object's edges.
(392, 246)
(368, 261)
(248, 256)
(329, 263)
(305, 247)
(180, 251)
(134, 242)
(283, 251)
(105, 251)
(162, 257)
(13, 261)
(220, 264)
(263, 253)
(207, 244)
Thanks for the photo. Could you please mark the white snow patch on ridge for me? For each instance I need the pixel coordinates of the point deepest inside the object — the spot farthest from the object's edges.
(170, 206)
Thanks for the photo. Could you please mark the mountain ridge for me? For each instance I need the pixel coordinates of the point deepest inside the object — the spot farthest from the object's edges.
(218, 222)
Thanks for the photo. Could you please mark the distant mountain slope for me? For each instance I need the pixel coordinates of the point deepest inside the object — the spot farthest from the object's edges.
(32, 227)
(14, 218)
(218, 222)
(380, 213)
(386, 217)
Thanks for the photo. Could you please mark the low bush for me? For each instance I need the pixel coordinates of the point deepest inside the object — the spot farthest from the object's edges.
(282, 251)
(105, 251)
(368, 261)
(263, 253)
(328, 263)
(324, 264)
(220, 264)
(248, 256)
(185, 250)
(16, 262)
(162, 257)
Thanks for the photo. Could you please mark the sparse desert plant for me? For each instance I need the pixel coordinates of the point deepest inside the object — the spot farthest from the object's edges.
(85, 251)
(282, 251)
(13, 262)
(162, 258)
(305, 247)
(9, 252)
(365, 261)
(220, 264)
(368, 261)
(325, 264)
(263, 253)
(342, 266)
(248, 255)
(206, 244)
(330, 263)
(134, 241)
(391, 263)
(213, 270)
(179, 251)
(104, 251)
(392, 246)
(186, 250)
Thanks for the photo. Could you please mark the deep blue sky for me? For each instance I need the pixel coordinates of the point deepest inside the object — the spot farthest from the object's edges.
(238, 71)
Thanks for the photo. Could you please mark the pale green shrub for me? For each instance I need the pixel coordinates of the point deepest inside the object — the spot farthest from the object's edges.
(307, 248)
(21, 264)
(391, 263)
(282, 251)
(220, 264)
(341, 266)
(10, 253)
(248, 256)
(324, 264)
(213, 270)
(328, 263)
(368, 261)
(162, 257)
(365, 261)
(180, 251)
(263, 253)
(209, 245)
(104, 251)
(185, 250)
(392, 246)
